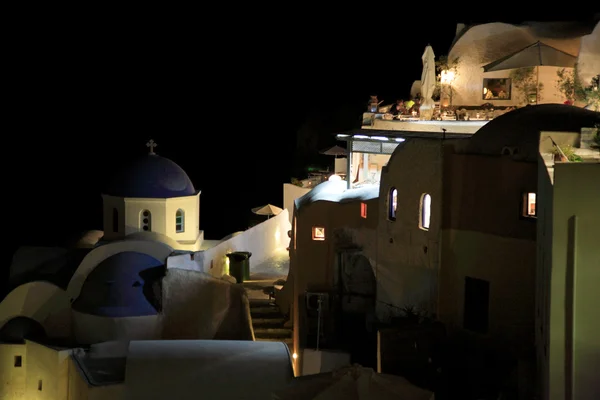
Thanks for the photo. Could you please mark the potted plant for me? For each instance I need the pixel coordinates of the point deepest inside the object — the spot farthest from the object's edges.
(527, 85)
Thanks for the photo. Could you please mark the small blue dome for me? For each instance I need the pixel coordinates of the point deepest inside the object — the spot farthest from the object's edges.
(123, 285)
(152, 177)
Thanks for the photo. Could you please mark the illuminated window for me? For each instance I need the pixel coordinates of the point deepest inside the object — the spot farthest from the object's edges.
(425, 211)
(529, 208)
(294, 233)
(179, 227)
(115, 220)
(496, 89)
(392, 203)
(363, 210)
(318, 233)
(146, 220)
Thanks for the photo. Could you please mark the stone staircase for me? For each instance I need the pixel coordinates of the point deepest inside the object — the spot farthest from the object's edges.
(268, 322)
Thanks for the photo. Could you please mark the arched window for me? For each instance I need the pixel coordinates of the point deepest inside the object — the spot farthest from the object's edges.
(425, 212)
(392, 204)
(179, 221)
(115, 220)
(146, 221)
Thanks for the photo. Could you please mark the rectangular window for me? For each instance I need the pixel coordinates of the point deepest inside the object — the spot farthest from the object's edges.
(363, 210)
(179, 223)
(529, 209)
(496, 89)
(318, 233)
(18, 361)
(40, 385)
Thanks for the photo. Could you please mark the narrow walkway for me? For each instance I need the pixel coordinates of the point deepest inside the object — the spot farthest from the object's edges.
(267, 321)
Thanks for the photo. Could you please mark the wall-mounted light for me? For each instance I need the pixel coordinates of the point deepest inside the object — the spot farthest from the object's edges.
(447, 76)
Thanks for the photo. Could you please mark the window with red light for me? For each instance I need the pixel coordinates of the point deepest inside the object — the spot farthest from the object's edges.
(363, 210)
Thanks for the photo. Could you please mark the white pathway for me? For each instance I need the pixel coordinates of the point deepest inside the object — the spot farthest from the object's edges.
(264, 274)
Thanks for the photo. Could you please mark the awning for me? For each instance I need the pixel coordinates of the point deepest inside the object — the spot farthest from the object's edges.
(535, 55)
(335, 151)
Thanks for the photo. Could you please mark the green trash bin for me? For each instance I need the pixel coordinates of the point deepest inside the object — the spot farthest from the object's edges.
(239, 265)
(245, 263)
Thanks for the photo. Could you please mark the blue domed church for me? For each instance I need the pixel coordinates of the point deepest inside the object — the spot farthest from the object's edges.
(153, 198)
(111, 286)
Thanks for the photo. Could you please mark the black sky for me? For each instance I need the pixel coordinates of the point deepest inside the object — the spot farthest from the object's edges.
(224, 94)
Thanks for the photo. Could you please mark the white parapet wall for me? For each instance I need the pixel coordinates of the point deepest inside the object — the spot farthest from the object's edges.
(290, 194)
(262, 240)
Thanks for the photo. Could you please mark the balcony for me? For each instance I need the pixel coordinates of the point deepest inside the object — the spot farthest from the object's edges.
(382, 122)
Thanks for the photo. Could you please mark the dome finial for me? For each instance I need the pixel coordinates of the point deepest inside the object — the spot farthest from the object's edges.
(151, 144)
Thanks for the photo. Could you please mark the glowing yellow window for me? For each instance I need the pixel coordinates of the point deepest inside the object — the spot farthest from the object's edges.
(318, 233)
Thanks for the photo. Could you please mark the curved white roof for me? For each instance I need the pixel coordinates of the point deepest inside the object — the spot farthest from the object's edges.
(207, 369)
(337, 192)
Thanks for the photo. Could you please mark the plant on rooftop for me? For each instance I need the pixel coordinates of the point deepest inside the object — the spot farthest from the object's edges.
(526, 83)
(297, 182)
(568, 84)
(570, 87)
(569, 152)
(444, 64)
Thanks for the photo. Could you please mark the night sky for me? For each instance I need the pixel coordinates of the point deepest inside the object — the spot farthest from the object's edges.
(242, 103)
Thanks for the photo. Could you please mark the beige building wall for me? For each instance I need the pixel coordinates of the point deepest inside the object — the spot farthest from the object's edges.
(13, 378)
(485, 237)
(573, 348)
(43, 372)
(408, 255)
(312, 262)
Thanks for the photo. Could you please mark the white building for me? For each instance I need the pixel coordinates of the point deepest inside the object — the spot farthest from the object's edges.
(149, 276)
(128, 370)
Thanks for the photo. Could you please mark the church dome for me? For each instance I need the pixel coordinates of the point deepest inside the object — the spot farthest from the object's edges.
(123, 285)
(152, 176)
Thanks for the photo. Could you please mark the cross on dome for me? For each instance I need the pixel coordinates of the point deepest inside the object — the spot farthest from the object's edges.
(151, 144)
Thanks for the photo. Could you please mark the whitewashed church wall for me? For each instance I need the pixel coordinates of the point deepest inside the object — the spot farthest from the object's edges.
(190, 206)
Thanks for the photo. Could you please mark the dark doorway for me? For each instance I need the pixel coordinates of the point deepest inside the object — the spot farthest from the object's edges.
(477, 302)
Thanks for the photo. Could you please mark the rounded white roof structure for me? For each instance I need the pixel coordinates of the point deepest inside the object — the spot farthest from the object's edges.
(209, 369)
(521, 128)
